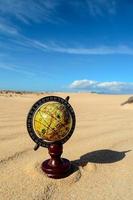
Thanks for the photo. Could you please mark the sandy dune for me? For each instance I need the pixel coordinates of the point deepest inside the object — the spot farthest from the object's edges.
(101, 150)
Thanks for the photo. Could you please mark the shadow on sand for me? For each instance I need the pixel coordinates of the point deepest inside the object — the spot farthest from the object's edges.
(100, 156)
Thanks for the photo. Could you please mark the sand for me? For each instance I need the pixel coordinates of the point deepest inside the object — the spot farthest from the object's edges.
(100, 149)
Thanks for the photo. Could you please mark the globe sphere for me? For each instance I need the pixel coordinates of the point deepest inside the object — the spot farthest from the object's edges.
(52, 121)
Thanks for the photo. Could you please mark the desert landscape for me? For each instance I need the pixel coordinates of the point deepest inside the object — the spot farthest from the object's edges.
(100, 150)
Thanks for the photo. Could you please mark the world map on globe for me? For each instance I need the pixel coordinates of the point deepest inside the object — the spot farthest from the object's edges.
(52, 121)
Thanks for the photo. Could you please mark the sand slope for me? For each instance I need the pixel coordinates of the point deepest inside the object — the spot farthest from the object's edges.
(101, 149)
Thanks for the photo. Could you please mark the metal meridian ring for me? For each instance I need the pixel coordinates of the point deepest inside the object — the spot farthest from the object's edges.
(35, 107)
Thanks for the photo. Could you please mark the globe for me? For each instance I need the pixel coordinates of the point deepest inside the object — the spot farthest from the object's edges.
(52, 121)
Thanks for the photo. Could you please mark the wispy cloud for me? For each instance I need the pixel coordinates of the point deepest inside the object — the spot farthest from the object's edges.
(108, 87)
(14, 68)
(101, 7)
(24, 70)
(95, 8)
(8, 29)
(100, 50)
(2, 54)
(25, 42)
(39, 11)
(28, 11)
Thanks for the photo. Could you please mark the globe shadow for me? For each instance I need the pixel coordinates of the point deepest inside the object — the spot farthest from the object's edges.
(103, 156)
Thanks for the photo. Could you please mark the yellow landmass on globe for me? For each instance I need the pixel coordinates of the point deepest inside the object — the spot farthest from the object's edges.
(52, 121)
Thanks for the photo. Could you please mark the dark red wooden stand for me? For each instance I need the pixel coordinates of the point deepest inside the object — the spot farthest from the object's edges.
(56, 167)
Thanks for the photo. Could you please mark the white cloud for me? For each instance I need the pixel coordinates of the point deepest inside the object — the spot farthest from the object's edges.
(107, 87)
(115, 86)
(82, 84)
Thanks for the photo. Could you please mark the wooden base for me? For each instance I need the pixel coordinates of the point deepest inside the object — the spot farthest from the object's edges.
(56, 167)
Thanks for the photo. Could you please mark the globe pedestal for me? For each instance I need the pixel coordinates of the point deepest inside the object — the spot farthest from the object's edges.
(56, 167)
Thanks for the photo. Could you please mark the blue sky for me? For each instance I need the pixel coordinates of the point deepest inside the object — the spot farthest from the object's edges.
(59, 45)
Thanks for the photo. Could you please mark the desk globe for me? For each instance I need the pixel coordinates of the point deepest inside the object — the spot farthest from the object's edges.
(50, 123)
